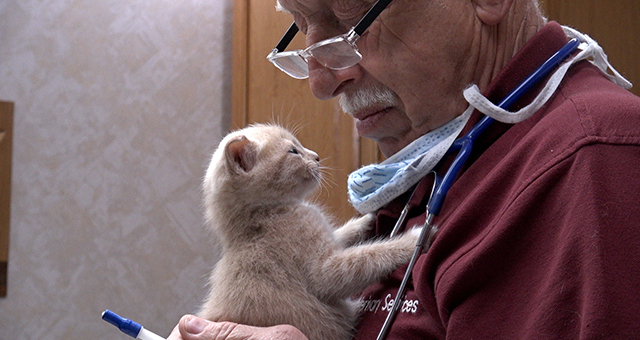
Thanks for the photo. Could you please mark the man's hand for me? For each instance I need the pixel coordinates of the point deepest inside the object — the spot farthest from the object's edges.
(194, 328)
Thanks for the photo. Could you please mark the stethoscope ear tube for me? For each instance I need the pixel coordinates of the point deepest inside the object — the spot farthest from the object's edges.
(424, 242)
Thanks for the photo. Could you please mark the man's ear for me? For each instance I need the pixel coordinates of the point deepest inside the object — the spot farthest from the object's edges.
(241, 153)
(492, 12)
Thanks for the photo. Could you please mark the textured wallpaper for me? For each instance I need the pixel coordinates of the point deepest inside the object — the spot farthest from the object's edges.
(118, 105)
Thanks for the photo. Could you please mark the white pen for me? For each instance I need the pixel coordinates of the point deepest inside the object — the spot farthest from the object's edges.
(129, 327)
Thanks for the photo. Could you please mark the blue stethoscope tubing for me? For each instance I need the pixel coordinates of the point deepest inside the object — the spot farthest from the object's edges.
(464, 147)
(465, 143)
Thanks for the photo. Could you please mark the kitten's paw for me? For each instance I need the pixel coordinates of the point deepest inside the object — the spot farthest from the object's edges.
(363, 224)
(416, 230)
(367, 221)
(356, 230)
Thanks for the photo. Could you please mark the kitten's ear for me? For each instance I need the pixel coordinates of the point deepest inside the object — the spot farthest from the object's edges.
(241, 153)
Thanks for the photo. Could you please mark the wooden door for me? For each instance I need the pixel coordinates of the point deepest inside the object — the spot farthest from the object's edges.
(614, 24)
(262, 93)
(6, 137)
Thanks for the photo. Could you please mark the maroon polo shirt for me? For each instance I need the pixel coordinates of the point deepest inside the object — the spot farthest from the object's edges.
(539, 237)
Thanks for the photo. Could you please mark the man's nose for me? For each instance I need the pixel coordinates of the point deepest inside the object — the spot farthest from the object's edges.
(326, 83)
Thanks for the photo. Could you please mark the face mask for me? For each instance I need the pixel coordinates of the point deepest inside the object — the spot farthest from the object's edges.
(373, 186)
(590, 49)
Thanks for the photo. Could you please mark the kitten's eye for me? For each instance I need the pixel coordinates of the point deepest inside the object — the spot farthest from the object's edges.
(293, 150)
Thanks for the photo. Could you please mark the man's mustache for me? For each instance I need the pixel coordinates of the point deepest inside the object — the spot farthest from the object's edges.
(355, 101)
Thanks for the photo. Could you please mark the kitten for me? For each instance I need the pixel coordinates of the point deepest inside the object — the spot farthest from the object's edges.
(283, 261)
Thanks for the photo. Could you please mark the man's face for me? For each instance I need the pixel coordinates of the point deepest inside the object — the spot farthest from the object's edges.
(415, 64)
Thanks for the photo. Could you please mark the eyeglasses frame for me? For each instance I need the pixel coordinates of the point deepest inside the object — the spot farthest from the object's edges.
(354, 33)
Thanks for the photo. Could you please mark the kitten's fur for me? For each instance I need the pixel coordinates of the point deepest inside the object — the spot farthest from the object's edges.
(283, 261)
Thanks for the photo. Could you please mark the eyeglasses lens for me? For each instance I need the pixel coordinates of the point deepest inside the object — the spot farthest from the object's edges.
(337, 54)
(293, 65)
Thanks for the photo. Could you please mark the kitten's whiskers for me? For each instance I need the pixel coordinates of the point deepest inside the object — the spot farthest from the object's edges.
(326, 180)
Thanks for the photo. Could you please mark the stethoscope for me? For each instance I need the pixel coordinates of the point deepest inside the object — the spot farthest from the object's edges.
(441, 185)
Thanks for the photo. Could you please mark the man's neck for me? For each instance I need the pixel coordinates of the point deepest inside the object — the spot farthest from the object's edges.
(499, 43)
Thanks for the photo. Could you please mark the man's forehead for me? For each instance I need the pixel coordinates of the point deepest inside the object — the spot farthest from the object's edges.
(312, 6)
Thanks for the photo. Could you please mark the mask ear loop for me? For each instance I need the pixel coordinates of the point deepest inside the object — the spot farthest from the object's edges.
(590, 49)
(600, 59)
(483, 104)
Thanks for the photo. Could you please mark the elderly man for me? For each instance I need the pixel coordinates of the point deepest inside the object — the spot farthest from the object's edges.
(538, 236)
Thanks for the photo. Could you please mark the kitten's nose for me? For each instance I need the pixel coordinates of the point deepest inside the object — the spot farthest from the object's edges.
(314, 156)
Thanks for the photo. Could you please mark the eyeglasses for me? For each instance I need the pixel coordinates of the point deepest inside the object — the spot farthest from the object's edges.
(336, 53)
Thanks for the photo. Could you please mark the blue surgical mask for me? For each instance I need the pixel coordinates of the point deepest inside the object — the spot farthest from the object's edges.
(375, 185)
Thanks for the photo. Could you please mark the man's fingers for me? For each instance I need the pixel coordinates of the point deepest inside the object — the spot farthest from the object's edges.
(194, 328)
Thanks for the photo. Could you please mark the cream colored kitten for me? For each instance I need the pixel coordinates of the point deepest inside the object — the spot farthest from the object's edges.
(283, 261)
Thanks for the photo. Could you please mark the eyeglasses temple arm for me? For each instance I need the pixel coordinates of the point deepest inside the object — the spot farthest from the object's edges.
(287, 37)
(371, 15)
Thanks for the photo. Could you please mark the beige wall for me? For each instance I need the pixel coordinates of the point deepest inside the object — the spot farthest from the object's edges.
(118, 105)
